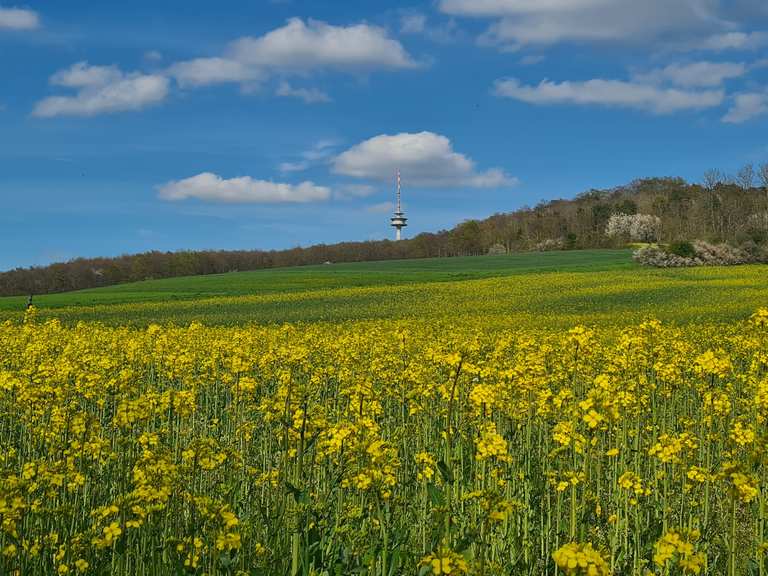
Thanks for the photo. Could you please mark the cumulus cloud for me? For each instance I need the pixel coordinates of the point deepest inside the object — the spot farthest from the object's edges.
(18, 19)
(615, 93)
(425, 159)
(309, 95)
(695, 74)
(730, 41)
(298, 47)
(101, 90)
(82, 75)
(524, 22)
(205, 71)
(213, 188)
(747, 106)
(315, 45)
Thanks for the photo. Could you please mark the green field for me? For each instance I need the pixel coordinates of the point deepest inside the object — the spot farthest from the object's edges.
(551, 288)
(302, 278)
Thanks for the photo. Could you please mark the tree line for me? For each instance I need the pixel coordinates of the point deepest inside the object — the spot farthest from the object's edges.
(720, 209)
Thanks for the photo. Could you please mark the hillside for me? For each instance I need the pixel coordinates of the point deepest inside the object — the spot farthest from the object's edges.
(534, 290)
(331, 277)
(719, 212)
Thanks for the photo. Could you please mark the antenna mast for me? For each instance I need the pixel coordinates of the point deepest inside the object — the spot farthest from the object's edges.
(398, 191)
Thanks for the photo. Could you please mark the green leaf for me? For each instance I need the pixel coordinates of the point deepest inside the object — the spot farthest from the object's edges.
(225, 560)
(468, 539)
(445, 472)
(298, 495)
(394, 563)
(435, 495)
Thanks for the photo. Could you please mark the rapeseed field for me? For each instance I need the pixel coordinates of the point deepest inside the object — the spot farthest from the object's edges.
(440, 445)
(522, 298)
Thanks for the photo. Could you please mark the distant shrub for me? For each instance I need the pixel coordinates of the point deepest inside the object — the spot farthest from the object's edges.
(720, 254)
(549, 244)
(755, 252)
(497, 250)
(682, 248)
(659, 258)
(698, 253)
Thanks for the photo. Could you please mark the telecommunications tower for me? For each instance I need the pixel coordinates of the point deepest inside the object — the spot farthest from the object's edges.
(399, 221)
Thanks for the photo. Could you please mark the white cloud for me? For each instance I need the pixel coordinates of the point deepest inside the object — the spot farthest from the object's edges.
(319, 152)
(747, 106)
(425, 159)
(205, 71)
(300, 48)
(416, 23)
(317, 45)
(492, 8)
(381, 208)
(82, 75)
(524, 22)
(413, 23)
(18, 19)
(101, 90)
(616, 93)
(348, 191)
(213, 188)
(309, 95)
(730, 41)
(695, 74)
(293, 166)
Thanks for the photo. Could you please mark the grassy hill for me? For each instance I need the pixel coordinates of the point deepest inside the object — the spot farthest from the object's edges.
(532, 289)
(357, 274)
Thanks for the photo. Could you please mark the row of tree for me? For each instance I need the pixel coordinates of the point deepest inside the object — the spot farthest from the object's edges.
(720, 209)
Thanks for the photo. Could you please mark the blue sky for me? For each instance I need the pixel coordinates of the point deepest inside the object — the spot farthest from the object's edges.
(134, 126)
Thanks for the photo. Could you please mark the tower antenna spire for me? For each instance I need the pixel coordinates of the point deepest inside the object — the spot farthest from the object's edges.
(398, 221)
(398, 190)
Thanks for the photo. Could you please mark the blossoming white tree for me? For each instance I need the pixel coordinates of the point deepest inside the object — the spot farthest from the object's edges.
(636, 227)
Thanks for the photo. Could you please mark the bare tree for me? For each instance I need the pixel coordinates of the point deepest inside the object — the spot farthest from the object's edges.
(745, 177)
(713, 178)
(763, 173)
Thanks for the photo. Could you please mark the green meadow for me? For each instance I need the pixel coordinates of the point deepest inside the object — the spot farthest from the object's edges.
(544, 289)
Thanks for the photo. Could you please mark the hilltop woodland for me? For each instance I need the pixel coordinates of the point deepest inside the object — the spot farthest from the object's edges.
(721, 209)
